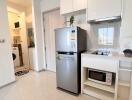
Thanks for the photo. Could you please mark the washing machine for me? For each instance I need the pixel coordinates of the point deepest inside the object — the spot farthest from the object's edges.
(17, 58)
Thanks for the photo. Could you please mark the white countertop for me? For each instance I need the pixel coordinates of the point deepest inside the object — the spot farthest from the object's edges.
(113, 55)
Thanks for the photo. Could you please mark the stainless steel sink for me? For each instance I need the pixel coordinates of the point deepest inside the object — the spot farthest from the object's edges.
(99, 52)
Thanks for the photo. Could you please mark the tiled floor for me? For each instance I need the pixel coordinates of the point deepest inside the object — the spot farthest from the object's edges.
(37, 86)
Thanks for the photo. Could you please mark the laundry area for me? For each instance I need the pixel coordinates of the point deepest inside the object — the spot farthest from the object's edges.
(22, 39)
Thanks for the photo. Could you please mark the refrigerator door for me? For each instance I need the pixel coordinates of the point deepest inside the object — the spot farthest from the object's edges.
(67, 76)
(66, 39)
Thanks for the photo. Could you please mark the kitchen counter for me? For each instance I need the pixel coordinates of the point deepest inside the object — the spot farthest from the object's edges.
(114, 62)
(113, 55)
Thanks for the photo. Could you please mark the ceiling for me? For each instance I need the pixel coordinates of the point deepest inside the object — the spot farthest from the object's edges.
(24, 3)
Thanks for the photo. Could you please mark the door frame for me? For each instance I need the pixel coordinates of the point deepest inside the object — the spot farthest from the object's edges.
(44, 44)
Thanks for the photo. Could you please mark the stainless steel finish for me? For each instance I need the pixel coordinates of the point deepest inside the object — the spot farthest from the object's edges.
(70, 42)
(101, 52)
(67, 72)
(70, 39)
(66, 40)
(110, 19)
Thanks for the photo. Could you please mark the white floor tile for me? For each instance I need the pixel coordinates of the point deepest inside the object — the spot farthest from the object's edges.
(37, 86)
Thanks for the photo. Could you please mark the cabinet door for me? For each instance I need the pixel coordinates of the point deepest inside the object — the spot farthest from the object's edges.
(66, 6)
(99, 9)
(79, 4)
(126, 27)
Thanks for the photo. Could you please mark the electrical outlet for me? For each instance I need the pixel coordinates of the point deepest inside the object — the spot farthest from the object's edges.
(2, 40)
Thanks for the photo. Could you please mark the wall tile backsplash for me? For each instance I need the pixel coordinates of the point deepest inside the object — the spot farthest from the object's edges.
(105, 25)
(92, 34)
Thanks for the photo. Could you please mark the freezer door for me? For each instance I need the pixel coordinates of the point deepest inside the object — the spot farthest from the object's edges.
(67, 76)
(66, 39)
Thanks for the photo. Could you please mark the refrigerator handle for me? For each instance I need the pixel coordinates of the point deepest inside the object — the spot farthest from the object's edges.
(65, 53)
(57, 56)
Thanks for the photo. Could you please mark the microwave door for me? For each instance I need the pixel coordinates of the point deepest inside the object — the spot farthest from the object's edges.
(98, 76)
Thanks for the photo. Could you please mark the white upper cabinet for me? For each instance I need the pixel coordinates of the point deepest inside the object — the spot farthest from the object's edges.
(68, 6)
(100, 9)
(79, 4)
(126, 26)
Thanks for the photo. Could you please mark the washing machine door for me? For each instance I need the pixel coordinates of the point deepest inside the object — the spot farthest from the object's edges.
(14, 56)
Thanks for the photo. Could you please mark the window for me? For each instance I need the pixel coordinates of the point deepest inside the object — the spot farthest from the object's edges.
(106, 36)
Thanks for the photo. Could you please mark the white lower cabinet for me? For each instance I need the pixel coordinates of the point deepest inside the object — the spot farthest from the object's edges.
(121, 67)
(100, 63)
(125, 80)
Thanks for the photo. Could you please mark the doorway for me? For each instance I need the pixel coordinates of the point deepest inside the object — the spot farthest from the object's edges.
(20, 25)
(51, 20)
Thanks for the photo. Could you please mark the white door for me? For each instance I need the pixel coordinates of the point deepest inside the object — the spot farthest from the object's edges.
(52, 20)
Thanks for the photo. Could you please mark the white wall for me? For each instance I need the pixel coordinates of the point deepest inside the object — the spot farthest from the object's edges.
(20, 9)
(29, 16)
(15, 8)
(47, 5)
(6, 62)
(38, 35)
(12, 17)
(23, 33)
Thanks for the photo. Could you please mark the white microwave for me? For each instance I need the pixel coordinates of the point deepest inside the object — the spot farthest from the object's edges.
(102, 77)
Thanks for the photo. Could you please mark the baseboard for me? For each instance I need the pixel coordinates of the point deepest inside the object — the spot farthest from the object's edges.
(41, 70)
(7, 84)
(38, 70)
(50, 70)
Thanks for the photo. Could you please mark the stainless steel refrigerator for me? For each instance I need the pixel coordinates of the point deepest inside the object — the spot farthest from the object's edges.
(70, 43)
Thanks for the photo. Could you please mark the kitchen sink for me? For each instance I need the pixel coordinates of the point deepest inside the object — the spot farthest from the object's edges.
(100, 52)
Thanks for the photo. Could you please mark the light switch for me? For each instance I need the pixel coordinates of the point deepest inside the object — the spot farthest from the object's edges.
(2, 40)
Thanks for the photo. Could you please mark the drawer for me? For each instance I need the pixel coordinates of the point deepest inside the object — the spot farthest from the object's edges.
(100, 63)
